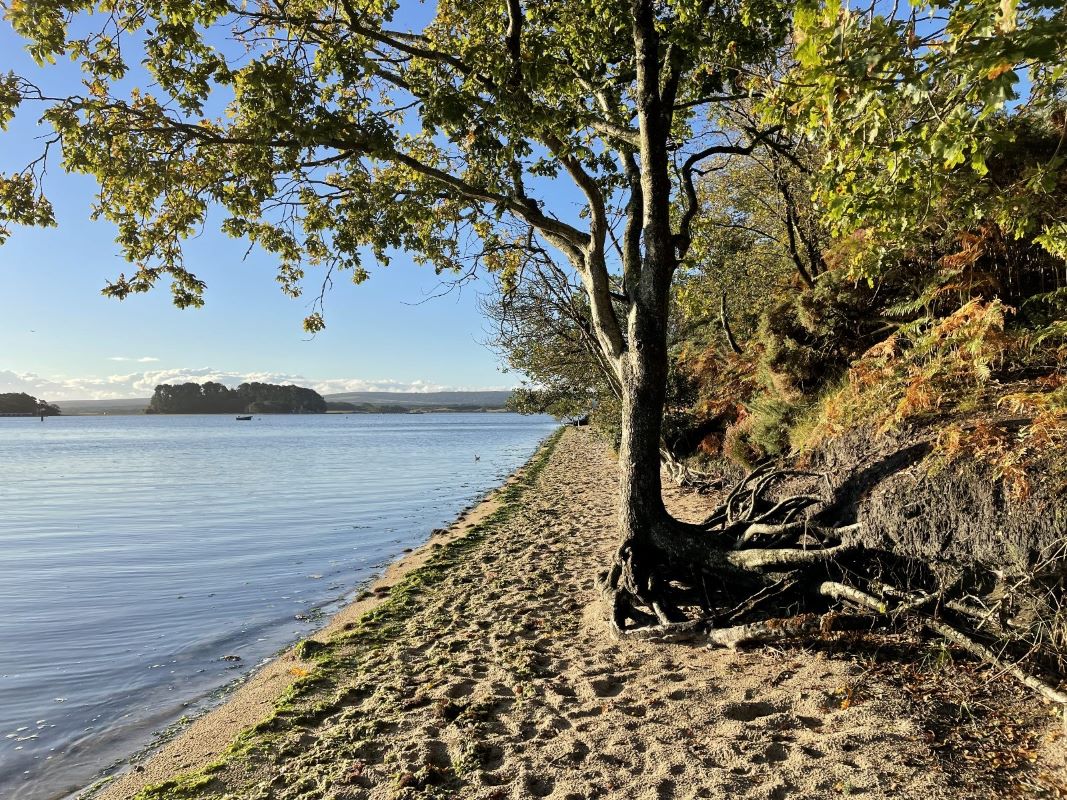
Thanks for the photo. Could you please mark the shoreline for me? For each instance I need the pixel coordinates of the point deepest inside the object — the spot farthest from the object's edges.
(254, 697)
(482, 668)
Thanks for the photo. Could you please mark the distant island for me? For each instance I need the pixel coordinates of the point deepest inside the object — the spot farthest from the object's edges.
(248, 398)
(20, 404)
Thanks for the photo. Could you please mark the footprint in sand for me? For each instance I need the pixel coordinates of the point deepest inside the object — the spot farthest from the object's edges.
(578, 752)
(811, 723)
(748, 712)
(491, 757)
(539, 785)
(774, 754)
(435, 754)
(606, 687)
(463, 688)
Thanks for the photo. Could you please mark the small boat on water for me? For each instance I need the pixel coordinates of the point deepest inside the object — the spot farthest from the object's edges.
(244, 419)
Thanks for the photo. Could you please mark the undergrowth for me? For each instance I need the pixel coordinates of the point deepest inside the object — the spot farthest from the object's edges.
(999, 395)
(992, 380)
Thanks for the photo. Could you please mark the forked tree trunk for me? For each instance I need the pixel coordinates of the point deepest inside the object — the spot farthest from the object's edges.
(646, 530)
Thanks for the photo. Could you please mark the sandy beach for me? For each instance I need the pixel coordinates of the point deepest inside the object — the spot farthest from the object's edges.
(478, 667)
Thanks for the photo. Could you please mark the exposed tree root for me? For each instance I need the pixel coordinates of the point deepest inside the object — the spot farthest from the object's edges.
(986, 654)
(769, 630)
(840, 591)
(688, 631)
(786, 557)
(681, 474)
(775, 573)
(764, 595)
(783, 628)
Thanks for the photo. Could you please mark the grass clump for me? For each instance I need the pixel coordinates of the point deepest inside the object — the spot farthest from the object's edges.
(310, 649)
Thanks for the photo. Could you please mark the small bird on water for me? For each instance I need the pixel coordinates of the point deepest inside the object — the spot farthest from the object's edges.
(477, 457)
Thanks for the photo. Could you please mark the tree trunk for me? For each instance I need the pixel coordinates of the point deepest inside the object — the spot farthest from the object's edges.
(642, 513)
(654, 546)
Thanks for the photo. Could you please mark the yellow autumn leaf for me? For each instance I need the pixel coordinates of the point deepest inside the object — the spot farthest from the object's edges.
(998, 70)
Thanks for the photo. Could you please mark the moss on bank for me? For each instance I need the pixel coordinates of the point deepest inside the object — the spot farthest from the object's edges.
(335, 666)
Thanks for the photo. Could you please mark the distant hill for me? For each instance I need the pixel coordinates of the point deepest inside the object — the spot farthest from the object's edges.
(75, 407)
(491, 401)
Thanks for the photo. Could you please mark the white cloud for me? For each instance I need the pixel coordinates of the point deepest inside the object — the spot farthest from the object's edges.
(141, 360)
(142, 384)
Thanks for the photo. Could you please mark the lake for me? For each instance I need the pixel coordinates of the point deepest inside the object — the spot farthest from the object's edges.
(137, 552)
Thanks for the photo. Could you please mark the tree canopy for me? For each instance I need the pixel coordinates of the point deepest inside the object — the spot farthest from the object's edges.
(940, 113)
(24, 404)
(354, 139)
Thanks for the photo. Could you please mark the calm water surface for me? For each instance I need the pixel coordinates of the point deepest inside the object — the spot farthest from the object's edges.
(136, 552)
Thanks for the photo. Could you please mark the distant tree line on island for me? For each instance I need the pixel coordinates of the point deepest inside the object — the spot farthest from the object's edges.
(248, 398)
(22, 404)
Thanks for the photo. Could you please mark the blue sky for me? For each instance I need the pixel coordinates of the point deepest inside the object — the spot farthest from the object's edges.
(61, 339)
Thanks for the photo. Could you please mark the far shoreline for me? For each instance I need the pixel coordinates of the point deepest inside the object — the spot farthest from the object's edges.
(393, 411)
(360, 402)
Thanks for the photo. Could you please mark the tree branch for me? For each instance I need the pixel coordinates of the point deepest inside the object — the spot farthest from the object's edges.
(513, 40)
(684, 238)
